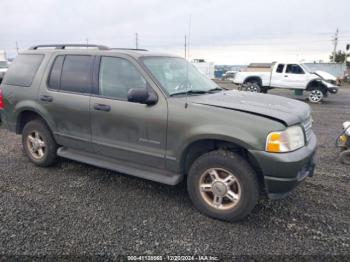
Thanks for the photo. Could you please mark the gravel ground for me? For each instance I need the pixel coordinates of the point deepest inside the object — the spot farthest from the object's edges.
(76, 209)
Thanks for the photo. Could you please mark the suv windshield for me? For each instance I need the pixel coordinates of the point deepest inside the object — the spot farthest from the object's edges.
(177, 76)
(3, 64)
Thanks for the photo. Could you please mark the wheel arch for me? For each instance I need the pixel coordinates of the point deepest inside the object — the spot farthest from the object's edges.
(202, 146)
(316, 83)
(26, 115)
(256, 79)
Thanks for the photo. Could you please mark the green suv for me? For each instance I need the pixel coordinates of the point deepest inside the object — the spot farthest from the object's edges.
(156, 117)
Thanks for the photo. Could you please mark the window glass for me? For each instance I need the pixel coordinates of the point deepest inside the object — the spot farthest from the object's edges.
(280, 68)
(55, 74)
(117, 77)
(294, 69)
(76, 74)
(23, 70)
(177, 76)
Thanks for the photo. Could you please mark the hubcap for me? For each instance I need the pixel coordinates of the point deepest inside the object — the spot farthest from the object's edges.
(316, 96)
(36, 145)
(219, 188)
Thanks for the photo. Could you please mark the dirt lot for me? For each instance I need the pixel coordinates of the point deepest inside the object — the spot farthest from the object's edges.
(77, 209)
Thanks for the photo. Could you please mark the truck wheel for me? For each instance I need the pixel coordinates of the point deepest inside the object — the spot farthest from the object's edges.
(316, 95)
(222, 185)
(253, 87)
(39, 144)
(345, 157)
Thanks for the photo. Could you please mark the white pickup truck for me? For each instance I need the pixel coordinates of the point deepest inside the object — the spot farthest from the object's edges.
(288, 76)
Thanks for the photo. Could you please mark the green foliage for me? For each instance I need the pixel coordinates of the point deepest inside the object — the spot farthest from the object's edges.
(340, 57)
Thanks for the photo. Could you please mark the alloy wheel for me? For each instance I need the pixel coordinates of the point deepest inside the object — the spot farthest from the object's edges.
(219, 188)
(36, 145)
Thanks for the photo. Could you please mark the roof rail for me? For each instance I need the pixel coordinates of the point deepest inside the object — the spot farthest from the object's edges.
(131, 49)
(63, 46)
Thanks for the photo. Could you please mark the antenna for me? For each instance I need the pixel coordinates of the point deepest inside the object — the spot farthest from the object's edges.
(185, 48)
(137, 40)
(188, 54)
(17, 48)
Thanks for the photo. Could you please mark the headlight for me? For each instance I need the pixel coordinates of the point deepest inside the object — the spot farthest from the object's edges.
(285, 141)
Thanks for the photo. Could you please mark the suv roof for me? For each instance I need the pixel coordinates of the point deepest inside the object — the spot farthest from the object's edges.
(91, 49)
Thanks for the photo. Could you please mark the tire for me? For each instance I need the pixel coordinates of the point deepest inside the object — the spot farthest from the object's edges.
(244, 190)
(36, 134)
(253, 87)
(316, 95)
(345, 157)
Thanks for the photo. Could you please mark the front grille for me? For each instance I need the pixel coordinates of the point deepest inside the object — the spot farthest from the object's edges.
(307, 124)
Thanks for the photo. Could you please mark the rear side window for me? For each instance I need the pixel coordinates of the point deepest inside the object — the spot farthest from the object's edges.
(76, 74)
(22, 71)
(280, 68)
(55, 74)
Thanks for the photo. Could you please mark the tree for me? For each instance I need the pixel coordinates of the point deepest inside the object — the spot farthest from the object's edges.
(340, 57)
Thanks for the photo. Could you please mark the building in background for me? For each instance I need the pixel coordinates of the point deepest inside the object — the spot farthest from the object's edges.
(206, 68)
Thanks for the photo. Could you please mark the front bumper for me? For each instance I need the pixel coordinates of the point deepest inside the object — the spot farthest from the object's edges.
(284, 171)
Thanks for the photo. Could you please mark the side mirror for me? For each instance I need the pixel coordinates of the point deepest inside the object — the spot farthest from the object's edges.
(142, 96)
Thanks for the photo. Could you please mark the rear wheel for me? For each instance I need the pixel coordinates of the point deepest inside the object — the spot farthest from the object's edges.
(222, 184)
(253, 87)
(38, 143)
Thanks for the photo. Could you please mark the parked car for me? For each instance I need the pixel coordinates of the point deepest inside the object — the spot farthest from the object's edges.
(288, 76)
(156, 117)
(229, 75)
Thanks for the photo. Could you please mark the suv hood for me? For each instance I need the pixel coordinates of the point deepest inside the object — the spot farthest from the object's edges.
(279, 108)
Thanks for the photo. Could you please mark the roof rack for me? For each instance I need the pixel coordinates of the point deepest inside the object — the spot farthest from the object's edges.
(131, 49)
(64, 46)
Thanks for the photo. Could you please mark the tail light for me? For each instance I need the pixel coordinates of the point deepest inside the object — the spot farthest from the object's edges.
(1, 100)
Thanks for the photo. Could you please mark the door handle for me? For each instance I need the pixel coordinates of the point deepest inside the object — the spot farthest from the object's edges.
(285, 75)
(101, 107)
(46, 98)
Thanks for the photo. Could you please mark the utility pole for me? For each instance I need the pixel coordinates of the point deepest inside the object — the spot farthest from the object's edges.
(137, 40)
(185, 47)
(17, 48)
(335, 42)
(87, 42)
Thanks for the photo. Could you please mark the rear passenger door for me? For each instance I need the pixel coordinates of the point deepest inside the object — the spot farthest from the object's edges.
(124, 130)
(65, 96)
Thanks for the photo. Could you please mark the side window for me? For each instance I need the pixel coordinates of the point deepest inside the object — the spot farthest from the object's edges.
(23, 70)
(55, 74)
(280, 68)
(294, 69)
(117, 76)
(76, 74)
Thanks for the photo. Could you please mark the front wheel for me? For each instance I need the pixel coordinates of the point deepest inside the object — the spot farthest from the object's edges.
(345, 157)
(223, 185)
(316, 95)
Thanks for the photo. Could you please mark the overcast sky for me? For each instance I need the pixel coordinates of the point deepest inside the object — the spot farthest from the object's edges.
(222, 31)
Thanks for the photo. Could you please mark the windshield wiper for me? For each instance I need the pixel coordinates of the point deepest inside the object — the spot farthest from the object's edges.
(190, 92)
